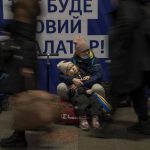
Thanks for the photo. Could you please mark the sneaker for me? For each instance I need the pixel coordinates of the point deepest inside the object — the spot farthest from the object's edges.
(95, 122)
(140, 127)
(84, 125)
(13, 141)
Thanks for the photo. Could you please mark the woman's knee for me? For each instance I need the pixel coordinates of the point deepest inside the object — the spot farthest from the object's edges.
(98, 89)
(62, 90)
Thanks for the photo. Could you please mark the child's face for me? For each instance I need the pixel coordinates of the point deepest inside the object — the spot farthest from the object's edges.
(72, 70)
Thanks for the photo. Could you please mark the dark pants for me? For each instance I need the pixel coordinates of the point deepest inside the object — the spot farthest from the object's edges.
(140, 103)
(86, 104)
(139, 98)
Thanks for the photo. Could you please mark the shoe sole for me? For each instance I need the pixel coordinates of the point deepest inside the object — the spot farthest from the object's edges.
(84, 129)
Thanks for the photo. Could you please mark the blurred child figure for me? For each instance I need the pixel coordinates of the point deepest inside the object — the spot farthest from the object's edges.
(69, 69)
(81, 96)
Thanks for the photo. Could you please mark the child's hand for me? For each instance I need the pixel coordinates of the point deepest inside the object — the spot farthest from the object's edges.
(77, 82)
(90, 91)
(86, 78)
(73, 87)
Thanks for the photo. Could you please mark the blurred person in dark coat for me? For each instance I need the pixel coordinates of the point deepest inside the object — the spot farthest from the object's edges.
(18, 58)
(130, 54)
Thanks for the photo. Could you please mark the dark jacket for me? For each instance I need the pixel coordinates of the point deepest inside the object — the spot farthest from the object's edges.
(16, 53)
(129, 46)
(90, 67)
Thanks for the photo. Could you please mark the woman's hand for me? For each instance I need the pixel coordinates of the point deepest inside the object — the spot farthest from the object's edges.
(86, 78)
(73, 87)
(77, 82)
(89, 91)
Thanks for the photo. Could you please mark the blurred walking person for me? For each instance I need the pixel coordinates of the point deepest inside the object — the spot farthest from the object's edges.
(130, 54)
(18, 58)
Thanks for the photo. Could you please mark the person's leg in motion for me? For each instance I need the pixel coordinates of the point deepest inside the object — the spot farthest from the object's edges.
(140, 104)
(17, 139)
(23, 45)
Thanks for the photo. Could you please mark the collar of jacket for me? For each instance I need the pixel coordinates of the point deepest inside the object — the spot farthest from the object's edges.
(91, 56)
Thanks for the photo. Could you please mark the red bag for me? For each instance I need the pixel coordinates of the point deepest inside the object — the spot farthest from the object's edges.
(68, 115)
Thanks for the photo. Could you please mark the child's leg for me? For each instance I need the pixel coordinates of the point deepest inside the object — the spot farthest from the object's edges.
(96, 111)
(81, 102)
(83, 123)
